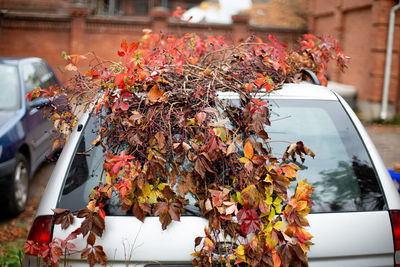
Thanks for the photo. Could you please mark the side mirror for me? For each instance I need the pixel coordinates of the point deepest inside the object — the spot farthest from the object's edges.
(38, 103)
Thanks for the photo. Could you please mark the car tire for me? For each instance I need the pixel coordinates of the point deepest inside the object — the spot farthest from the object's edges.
(19, 189)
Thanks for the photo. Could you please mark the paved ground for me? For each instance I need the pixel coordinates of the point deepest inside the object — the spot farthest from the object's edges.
(387, 141)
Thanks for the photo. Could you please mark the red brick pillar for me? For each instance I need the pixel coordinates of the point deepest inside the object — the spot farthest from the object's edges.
(312, 18)
(129, 8)
(240, 27)
(77, 33)
(380, 17)
(178, 3)
(159, 17)
(338, 34)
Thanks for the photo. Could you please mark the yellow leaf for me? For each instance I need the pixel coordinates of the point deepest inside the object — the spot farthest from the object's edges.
(109, 179)
(244, 160)
(271, 214)
(208, 243)
(55, 117)
(239, 251)
(196, 254)
(278, 209)
(71, 67)
(277, 201)
(301, 205)
(190, 122)
(221, 133)
(269, 228)
(278, 225)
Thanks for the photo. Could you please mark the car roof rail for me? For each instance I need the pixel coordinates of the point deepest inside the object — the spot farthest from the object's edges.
(314, 79)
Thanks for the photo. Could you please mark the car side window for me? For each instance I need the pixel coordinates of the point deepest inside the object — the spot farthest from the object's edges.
(31, 80)
(45, 76)
(37, 74)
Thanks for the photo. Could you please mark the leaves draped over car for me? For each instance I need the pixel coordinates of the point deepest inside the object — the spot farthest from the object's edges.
(167, 134)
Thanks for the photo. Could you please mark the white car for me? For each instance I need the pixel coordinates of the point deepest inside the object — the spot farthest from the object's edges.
(355, 220)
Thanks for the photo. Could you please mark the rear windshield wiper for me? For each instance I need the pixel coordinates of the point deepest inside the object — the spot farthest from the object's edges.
(193, 210)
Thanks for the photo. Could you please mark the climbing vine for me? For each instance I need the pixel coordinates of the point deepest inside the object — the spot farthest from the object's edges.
(168, 134)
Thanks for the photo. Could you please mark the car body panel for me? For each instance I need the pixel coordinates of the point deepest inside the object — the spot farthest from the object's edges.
(349, 239)
(346, 239)
(23, 129)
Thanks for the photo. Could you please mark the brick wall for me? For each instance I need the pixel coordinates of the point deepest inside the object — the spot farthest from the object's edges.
(361, 27)
(75, 31)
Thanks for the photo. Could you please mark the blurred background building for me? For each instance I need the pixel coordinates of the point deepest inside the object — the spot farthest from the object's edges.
(361, 26)
(45, 28)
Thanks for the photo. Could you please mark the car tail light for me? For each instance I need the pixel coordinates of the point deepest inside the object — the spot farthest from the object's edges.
(395, 217)
(41, 231)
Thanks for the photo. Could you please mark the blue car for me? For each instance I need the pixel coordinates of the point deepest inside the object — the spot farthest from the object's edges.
(25, 134)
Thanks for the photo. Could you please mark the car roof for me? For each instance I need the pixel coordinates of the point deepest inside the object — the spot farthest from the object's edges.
(303, 90)
(16, 60)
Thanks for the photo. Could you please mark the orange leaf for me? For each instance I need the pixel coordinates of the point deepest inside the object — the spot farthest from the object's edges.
(155, 93)
(193, 60)
(276, 258)
(75, 58)
(55, 144)
(124, 45)
(248, 150)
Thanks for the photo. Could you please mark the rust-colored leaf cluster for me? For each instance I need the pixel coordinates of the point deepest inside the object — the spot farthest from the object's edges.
(168, 134)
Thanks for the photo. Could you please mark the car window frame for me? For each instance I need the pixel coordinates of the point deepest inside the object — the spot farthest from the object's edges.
(360, 137)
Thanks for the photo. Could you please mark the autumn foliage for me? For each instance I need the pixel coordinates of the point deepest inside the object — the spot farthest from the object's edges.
(168, 134)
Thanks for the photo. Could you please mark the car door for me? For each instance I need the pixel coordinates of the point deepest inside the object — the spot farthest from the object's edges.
(38, 128)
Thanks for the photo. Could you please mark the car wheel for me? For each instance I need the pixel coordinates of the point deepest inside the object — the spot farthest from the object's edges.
(19, 187)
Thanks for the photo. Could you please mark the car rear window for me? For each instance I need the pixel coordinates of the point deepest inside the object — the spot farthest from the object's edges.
(341, 172)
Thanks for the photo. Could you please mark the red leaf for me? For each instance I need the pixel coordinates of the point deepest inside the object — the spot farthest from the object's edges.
(102, 213)
(116, 167)
(200, 117)
(258, 103)
(248, 220)
(74, 234)
(123, 105)
(260, 80)
(31, 247)
(133, 46)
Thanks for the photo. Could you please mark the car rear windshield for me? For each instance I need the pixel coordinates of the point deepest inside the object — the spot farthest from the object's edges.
(9, 87)
(341, 172)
